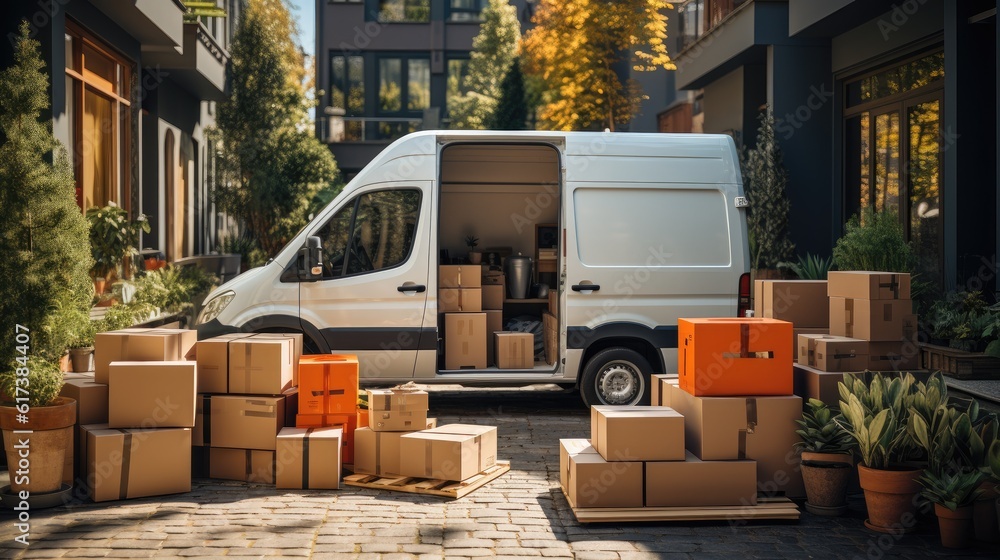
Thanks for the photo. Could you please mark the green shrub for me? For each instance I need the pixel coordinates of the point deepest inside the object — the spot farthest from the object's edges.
(809, 267)
(874, 241)
(45, 381)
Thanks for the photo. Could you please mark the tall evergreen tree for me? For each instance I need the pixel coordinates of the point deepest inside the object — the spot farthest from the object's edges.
(577, 48)
(270, 166)
(765, 181)
(511, 112)
(44, 280)
(493, 51)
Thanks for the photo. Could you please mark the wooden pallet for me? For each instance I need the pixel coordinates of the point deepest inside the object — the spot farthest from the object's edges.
(766, 508)
(960, 364)
(430, 486)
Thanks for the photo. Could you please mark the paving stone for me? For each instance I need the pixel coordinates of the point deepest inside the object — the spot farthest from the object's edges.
(133, 553)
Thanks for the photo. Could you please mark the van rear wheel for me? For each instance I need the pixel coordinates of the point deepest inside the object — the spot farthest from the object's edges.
(616, 376)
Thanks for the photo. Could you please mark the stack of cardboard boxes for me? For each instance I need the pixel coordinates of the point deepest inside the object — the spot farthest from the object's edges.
(803, 303)
(328, 397)
(872, 327)
(724, 428)
(135, 415)
(460, 300)
(392, 413)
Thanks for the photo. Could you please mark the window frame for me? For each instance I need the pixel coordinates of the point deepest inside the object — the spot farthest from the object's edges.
(404, 89)
(477, 15)
(374, 13)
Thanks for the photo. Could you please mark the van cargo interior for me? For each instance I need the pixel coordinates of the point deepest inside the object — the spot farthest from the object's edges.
(508, 197)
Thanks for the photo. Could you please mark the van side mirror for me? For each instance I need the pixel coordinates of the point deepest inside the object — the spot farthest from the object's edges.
(311, 260)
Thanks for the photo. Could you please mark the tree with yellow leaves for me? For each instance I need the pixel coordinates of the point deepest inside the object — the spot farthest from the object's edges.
(579, 48)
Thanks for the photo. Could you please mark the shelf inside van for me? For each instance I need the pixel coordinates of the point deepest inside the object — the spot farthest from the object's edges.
(527, 300)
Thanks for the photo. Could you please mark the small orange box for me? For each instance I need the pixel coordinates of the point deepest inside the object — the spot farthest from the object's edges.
(328, 384)
(349, 423)
(719, 357)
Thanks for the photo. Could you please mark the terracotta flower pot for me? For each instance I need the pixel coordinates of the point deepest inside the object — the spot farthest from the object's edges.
(82, 358)
(52, 435)
(826, 476)
(985, 508)
(890, 496)
(957, 528)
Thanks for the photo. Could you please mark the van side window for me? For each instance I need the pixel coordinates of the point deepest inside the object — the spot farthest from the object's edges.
(373, 232)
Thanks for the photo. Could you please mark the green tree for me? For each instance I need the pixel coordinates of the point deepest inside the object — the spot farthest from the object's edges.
(765, 181)
(44, 280)
(511, 112)
(493, 51)
(270, 167)
(577, 48)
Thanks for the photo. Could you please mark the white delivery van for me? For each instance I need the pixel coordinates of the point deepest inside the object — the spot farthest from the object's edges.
(629, 231)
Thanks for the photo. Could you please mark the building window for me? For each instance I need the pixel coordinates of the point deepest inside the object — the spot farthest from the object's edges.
(404, 91)
(98, 94)
(406, 11)
(458, 70)
(691, 22)
(466, 10)
(893, 131)
(347, 92)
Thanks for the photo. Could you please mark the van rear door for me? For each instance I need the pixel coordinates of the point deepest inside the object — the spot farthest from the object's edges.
(371, 299)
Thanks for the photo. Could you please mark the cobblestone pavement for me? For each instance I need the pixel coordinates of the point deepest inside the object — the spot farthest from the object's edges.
(521, 514)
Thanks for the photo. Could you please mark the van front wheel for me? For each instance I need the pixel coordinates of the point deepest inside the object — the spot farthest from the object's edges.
(617, 376)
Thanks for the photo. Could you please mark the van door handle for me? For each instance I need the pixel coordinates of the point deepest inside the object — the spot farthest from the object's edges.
(586, 287)
(418, 288)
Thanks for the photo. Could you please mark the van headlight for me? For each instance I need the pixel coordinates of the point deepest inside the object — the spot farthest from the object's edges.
(215, 306)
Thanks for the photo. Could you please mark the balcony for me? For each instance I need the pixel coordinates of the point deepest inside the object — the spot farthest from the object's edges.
(157, 24)
(200, 67)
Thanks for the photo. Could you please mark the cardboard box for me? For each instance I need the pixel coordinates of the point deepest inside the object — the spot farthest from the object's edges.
(460, 300)
(868, 285)
(569, 447)
(806, 345)
(328, 384)
(212, 356)
(838, 353)
(811, 383)
(460, 276)
(261, 366)
(735, 356)
(493, 296)
(494, 323)
(377, 453)
(800, 302)
(465, 341)
(201, 434)
(245, 422)
(451, 452)
(592, 482)
(151, 394)
(873, 320)
(309, 458)
(795, 338)
(551, 336)
(91, 400)
(515, 350)
(637, 433)
(140, 345)
(757, 428)
(126, 463)
(397, 399)
(397, 420)
(245, 465)
(296, 339)
(554, 302)
(492, 278)
(660, 395)
(892, 356)
(696, 483)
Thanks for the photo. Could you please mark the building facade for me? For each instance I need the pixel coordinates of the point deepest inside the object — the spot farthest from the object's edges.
(133, 90)
(877, 103)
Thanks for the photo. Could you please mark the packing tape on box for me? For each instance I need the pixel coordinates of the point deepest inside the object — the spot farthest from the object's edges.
(305, 459)
(206, 424)
(892, 284)
(428, 458)
(246, 365)
(751, 415)
(378, 453)
(126, 464)
(248, 468)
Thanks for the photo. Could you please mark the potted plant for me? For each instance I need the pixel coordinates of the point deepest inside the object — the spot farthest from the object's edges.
(81, 350)
(951, 480)
(875, 414)
(826, 459)
(113, 238)
(49, 417)
(475, 257)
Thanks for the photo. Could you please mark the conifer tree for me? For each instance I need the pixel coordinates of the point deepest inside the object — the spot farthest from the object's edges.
(511, 112)
(765, 181)
(44, 270)
(493, 51)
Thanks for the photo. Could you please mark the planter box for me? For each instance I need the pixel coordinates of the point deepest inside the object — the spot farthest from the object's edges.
(958, 363)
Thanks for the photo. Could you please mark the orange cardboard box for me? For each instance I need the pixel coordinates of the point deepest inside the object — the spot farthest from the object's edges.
(800, 302)
(328, 384)
(623, 433)
(309, 458)
(245, 465)
(868, 285)
(735, 356)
